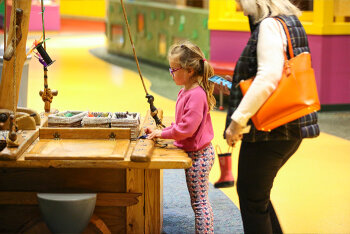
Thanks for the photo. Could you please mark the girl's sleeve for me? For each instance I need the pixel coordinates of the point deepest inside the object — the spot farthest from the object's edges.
(271, 44)
(167, 128)
(189, 123)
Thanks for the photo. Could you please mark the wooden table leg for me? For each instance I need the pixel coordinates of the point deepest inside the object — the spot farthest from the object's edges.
(135, 219)
(153, 201)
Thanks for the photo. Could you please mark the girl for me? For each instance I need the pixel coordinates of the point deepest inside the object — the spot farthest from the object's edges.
(193, 129)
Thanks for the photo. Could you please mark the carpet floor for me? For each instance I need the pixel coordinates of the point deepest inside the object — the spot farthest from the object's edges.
(178, 216)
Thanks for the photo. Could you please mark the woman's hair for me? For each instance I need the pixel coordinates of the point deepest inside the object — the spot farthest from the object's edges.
(260, 9)
(190, 56)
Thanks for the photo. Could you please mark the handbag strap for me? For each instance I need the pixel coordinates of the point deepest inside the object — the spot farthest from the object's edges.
(289, 41)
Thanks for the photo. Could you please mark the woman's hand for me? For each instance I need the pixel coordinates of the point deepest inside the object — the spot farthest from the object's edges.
(153, 133)
(233, 133)
(223, 88)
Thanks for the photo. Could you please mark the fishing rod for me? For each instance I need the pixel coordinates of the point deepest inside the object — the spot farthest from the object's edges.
(150, 98)
(46, 94)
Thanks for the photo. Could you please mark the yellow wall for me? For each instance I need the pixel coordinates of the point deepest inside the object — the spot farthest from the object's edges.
(320, 21)
(95, 9)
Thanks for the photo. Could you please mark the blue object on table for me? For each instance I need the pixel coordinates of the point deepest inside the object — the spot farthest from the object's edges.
(218, 80)
(144, 136)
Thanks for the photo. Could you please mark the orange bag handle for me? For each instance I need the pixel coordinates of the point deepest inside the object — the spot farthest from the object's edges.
(289, 44)
(290, 47)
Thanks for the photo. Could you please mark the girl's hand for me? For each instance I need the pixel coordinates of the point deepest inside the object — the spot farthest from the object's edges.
(233, 133)
(148, 130)
(154, 134)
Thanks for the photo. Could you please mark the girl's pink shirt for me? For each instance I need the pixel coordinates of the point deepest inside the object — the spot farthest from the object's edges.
(192, 129)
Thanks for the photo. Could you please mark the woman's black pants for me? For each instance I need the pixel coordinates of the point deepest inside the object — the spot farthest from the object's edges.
(258, 165)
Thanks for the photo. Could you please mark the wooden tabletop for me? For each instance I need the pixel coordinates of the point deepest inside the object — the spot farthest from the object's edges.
(169, 157)
(163, 158)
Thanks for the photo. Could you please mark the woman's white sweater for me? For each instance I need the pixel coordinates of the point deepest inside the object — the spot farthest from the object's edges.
(272, 43)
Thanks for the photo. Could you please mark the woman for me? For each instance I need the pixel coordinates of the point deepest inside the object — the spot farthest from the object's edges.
(262, 154)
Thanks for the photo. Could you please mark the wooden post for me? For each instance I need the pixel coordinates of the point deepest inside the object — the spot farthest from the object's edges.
(135, 217)
(6, 86)
(153, 201)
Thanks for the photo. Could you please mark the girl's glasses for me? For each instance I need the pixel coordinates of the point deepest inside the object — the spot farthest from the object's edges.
(173, 70)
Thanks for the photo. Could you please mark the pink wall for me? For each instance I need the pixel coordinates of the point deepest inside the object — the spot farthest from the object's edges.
(52, 18)
(330, 59)
(227, 46)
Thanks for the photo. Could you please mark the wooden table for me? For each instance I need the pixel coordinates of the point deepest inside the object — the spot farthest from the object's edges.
(129, 194)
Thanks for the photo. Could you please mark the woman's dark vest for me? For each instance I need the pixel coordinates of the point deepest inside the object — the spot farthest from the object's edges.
(246, 67)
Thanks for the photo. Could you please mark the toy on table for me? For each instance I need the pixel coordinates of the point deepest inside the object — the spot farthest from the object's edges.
(66, 119)
(97, 120)
(127, 120)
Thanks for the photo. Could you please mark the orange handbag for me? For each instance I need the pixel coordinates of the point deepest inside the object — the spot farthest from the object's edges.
(295, 96)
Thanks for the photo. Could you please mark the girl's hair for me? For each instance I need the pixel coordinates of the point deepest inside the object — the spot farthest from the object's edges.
(190, 56)
(260, 9)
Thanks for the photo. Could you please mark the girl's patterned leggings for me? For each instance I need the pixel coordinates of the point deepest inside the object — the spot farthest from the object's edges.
(197, 178)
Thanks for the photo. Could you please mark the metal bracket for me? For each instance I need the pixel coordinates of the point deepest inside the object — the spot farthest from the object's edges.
(56, 136)
(112, 136)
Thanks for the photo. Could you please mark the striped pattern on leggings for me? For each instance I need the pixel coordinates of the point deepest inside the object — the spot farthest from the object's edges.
(197, 178)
